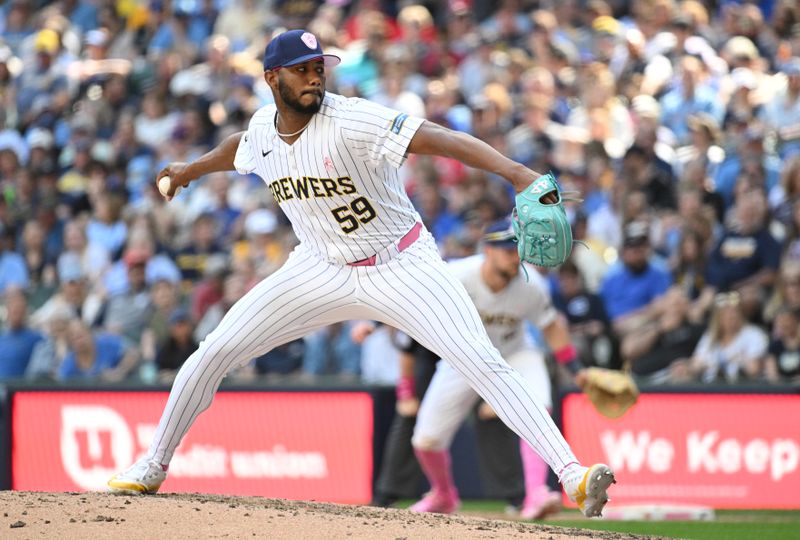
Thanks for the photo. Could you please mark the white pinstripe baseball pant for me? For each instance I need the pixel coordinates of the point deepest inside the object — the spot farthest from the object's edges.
(412, 292)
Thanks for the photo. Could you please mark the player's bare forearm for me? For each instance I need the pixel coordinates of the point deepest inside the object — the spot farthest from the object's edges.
(217, 160)
(433, 139)
(406, 364)
(556, 334)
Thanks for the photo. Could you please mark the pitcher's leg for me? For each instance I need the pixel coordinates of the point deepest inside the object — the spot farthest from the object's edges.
(417, 294)
(539, 500)
(280, 308)
(446, 404)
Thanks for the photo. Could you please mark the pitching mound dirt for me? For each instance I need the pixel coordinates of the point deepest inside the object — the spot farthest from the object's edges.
(171, 516)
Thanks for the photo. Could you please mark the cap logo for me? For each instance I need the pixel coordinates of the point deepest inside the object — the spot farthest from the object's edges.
(309, 39)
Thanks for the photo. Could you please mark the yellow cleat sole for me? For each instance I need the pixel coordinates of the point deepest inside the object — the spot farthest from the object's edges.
(129, 488)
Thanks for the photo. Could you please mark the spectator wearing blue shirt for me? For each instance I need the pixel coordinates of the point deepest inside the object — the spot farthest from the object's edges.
(437, 217)
(751, 162)
(13, 272)
(17, 22)
(630, 289)
(688, 98)
(782, 112)
(181, 32)
(17, 340)
(42, 77)
(84, 15)
(106, 228)
(101, 355)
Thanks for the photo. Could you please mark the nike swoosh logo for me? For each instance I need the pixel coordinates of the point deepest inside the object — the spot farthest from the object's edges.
(265, 154)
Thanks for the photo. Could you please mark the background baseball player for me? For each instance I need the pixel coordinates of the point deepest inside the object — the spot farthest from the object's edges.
(505, 301)
(399, 475)
(332, 165)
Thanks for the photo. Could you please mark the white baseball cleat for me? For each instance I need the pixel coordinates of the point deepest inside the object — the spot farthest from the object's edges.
(144, 476)
(588, 488)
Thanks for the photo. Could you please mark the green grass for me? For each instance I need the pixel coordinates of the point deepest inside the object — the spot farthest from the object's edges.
(728, 525)
(704, 530)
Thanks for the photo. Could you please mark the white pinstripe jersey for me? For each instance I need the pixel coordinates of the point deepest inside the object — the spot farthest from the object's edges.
(504, 313)
(338, 182)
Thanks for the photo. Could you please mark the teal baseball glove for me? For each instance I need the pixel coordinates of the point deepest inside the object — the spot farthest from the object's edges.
(544, 236)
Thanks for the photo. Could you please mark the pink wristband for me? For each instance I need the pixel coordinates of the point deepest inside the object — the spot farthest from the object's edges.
(566, 354)
(405, 388)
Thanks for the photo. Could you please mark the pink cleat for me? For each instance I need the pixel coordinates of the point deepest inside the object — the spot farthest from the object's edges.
(438, 503)
(541, 506)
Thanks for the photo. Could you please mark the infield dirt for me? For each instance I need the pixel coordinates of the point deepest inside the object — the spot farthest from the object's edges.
(173, 516)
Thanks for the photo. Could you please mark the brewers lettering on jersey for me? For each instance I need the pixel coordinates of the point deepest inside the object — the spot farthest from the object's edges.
(332, 165)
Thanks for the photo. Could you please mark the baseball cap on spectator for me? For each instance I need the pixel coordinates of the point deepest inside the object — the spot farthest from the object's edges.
(707, 123)
(161, 268)
(636, 233)
(740, 47)
(563, 49)
(260, 221)
(605, 24)
(500, 234)
(137, 17)
(179, 315)
(682, 20)
(69, 268)
(46, 41)
(97, 37)
(646, 106)
(10, 139)
(40, 138)
(459, 7)
(135, 257)
(295, 47)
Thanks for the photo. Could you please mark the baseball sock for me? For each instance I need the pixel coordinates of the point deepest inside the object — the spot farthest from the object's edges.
(436, 466)
(534, 470)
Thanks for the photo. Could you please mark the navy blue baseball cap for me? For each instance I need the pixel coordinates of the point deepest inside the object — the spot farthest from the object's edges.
(295, 47)
(500, 234)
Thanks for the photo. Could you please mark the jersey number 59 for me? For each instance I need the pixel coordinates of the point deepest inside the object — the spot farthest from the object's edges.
(350, 215)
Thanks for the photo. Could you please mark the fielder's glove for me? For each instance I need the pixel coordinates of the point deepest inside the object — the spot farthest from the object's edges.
(544, 237)
(611, 392)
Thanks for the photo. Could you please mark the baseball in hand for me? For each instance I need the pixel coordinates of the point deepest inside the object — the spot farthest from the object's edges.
(163, 186)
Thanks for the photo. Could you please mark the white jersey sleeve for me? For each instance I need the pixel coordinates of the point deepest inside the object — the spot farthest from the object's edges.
(382, 132)
(246, 159)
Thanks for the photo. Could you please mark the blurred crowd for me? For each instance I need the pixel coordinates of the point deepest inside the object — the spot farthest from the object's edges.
(677, 121)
